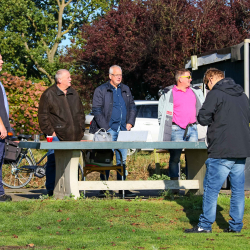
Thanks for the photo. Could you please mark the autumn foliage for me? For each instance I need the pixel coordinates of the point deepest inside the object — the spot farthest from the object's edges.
(23, 97)
(151, 39)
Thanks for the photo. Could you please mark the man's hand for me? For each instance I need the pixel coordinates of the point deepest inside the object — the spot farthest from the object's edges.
(128, 126)
(3, 131)
(54, 134)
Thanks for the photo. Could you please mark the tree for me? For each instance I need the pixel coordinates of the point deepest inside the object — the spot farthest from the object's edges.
(32, 30)
(215, 26)
(133, 36)
(150, 40)
(23, 97)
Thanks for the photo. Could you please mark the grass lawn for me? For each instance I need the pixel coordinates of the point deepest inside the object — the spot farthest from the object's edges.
(116, 224)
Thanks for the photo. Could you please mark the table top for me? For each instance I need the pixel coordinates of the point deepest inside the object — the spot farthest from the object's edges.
(71, 145)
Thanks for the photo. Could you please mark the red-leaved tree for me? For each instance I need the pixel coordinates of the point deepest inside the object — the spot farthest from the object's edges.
(23, 97)
(150, 40)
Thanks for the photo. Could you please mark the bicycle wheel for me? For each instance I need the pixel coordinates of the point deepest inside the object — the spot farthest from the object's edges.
(14, 176)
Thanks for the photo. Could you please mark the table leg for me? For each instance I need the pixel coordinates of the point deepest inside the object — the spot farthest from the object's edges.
(66, 173)
(196, 166)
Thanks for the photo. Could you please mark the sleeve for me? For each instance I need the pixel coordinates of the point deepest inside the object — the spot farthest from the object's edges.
(82, 115)
(132, 109)
(160, 108)
(97, 108)
(43, 116)
(208, 109)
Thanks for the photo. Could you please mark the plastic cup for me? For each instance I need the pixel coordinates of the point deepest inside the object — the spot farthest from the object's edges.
(49, 138)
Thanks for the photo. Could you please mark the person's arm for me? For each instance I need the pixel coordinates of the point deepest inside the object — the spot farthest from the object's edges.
(208, 109)
(97, 109)
(82, 115)
(160, 108)
(3, 131)
(132, 111)
(43, 116)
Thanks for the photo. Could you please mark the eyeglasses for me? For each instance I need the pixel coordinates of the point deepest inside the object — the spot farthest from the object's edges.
(188, 77)
(118, 75)
(206, 87)
(206, 81)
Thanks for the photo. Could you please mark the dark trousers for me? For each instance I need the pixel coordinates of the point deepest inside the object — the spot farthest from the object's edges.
(51, 169)
(2, 146)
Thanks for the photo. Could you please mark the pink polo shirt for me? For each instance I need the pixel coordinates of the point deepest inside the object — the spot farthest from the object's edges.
(184, 107)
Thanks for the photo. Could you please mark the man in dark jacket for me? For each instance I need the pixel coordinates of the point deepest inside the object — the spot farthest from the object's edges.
(61, 115)
(114, 110)
(226, 112)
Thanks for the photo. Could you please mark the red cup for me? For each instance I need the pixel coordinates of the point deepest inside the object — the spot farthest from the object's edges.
(49, 138)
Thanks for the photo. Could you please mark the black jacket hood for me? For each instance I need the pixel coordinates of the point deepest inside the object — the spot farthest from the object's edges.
(229, 86)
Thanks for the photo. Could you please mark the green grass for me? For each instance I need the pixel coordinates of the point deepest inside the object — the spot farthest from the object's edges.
(117, 224)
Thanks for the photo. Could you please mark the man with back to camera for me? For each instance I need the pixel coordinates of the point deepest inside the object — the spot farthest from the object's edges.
(177, 112)
(114, 110)
(4, 129)
(226, 112)
(61, 115)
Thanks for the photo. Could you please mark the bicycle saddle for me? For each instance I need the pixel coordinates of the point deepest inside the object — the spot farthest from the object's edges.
(24, 137)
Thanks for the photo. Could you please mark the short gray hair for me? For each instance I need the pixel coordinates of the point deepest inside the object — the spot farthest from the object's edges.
(114, 66)
(59, 74)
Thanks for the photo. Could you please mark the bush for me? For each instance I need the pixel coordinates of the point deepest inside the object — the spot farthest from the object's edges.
(23, 97)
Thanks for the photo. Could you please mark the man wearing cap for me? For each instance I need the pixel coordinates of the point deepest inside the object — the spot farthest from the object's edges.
(177, 112)
(4, 129)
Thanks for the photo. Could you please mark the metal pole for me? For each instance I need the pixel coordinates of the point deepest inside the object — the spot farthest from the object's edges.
(246, 66)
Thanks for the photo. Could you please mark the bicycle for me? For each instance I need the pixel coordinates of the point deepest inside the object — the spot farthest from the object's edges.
(17, 174)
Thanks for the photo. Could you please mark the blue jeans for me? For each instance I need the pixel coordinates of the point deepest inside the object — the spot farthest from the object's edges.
(2, 147)
(51, 168)
(175, 154)
(114, 135)
(216, 173)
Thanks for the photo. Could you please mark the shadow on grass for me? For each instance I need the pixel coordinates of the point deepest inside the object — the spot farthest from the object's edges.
(192, 206)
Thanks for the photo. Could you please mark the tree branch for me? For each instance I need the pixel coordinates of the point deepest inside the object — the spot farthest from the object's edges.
(37, 64)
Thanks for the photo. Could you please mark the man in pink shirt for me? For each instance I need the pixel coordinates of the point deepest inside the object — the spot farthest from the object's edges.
(177, 112)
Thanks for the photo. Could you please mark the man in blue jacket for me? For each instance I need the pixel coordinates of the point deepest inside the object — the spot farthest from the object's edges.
(114, 110)
(226, 112)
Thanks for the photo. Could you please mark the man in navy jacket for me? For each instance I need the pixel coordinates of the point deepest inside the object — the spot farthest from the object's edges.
(114, 110)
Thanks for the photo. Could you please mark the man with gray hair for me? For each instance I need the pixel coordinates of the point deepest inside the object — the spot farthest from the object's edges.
(114, 110)
(60, 115)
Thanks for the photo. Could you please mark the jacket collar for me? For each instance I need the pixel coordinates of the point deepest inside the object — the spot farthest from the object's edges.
(109, 86)
(60, 92)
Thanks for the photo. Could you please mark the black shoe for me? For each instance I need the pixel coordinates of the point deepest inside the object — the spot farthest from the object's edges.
(50, 193)
(104, 193)
(197, 230)
(229, 230)
(5, 197)
(127, 193)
